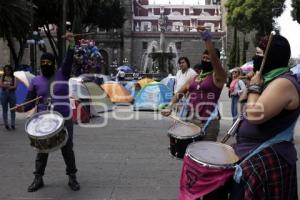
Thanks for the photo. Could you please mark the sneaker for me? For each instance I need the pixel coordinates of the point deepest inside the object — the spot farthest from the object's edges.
(13, 127)
(7, 127)
(36, 184)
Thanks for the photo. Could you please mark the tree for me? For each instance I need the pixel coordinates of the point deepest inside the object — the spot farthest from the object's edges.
(14, 24)
(105, 14)
(296, 10)
(248, 15)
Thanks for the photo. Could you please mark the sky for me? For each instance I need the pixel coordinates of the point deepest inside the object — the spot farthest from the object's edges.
(289, 28)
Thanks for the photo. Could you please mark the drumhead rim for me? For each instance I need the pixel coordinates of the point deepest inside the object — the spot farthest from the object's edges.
(185, 137)
(213, 165)
(45, 136)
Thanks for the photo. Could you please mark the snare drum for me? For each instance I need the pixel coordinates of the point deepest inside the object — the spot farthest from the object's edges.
(46, 131)
(207, 166)
(181, 135)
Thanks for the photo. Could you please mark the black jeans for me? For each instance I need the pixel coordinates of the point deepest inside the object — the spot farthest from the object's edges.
(67, 152)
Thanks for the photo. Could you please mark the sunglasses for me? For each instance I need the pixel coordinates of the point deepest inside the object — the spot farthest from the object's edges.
(46, 62)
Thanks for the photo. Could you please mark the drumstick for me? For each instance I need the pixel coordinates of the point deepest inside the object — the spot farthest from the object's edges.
(178, 120)
(80, 34)
(23, 104)
(266, 52)
(232, 130)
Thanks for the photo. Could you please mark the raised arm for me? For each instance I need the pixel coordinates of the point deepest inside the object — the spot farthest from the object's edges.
(219, 74)
(68, 60)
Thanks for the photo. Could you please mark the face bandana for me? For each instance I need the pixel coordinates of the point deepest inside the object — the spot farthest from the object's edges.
(48, 70)
(257, 60)
(206, 66)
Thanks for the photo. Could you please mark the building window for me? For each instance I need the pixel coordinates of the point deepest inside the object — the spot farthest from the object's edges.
(145, 45)
(178, 45)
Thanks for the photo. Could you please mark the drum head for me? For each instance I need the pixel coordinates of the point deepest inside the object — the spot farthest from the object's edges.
(44, 123)
(212, 153)
(181, 131)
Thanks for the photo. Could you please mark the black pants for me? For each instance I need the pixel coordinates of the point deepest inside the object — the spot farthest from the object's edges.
(67, 152)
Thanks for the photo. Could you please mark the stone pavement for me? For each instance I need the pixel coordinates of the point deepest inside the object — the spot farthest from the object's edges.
(124, 160)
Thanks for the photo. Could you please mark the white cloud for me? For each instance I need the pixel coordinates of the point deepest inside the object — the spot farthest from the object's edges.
(290, 29)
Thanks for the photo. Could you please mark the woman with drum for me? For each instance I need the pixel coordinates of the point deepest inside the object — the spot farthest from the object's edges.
(204, 91)
(8, 96)
(265, 136)
(54, 98)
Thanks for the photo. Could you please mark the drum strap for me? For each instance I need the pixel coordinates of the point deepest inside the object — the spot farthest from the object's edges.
(283, 136)
(49, 99)
(213, 115)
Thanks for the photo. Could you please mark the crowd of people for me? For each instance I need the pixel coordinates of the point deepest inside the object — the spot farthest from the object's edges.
(264, 137)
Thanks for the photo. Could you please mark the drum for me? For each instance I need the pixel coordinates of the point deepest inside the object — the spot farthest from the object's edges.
(46, 131)
(207, 167)
(181, 135)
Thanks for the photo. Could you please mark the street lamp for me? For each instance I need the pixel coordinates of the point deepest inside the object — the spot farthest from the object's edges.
(34, 40)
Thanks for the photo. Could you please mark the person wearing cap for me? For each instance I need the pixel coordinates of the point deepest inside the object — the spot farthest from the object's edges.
(40, 86)
(267, 167)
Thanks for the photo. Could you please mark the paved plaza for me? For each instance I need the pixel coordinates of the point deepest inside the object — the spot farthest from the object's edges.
(124, 160)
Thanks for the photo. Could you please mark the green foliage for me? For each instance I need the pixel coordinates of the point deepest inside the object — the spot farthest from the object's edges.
(14, 23)
(296, 10)
(105, 14)
(247, 15)
(14, 20)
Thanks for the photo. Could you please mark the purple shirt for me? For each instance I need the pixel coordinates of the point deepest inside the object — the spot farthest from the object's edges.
(204, 96)
(39, 86)
(250, 136)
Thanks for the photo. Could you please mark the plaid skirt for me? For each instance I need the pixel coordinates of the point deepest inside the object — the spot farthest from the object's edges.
(266, 175)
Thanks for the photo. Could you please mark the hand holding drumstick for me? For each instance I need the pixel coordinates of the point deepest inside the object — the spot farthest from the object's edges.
(20, 108)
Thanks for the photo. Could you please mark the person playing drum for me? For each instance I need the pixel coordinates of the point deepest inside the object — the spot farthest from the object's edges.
(204, 91)
(40, 86)
(265, 137)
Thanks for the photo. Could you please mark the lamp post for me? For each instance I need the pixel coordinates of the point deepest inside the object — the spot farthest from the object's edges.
(33, 41)
(223, 57)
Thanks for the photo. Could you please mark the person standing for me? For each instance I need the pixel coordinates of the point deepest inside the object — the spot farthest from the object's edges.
(265, 137)
(8, 85)
(182, 77)
(204, 91)
(59, 94)
(184, 74)
(237, 87)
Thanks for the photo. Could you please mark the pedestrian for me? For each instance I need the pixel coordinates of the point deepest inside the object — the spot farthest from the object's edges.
(204, 91)
(40, 86)
(267, 169)
(8, 85)
(183, 75)
(237, 87)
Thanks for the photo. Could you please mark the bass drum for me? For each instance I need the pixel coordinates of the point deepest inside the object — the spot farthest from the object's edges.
(46, 131)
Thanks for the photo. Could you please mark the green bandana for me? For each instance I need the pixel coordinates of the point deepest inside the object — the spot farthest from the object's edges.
(271, 75)
(203, 75)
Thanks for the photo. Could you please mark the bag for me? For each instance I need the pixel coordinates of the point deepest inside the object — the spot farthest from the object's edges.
(80, 113)
(243, 96)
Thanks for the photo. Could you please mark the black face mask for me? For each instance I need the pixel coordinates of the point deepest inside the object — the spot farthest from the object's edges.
(206, 66)
(257, 60)
(48, 70)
